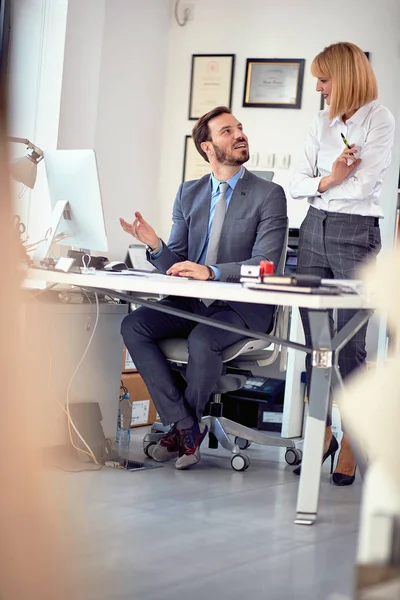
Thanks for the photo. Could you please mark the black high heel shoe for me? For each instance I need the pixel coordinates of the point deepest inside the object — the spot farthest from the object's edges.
(342, 479)
(333, 448)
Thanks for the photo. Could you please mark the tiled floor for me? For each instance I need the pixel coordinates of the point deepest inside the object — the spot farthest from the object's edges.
(211, 532)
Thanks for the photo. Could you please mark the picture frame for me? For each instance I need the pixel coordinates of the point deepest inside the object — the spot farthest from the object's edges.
(194, 165)
(273, 82)
(211, 83)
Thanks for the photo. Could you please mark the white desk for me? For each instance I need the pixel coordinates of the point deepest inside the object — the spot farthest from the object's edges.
(325, 349)
(155, 283)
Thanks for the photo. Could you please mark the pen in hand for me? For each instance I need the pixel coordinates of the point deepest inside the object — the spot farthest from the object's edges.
(346, 143)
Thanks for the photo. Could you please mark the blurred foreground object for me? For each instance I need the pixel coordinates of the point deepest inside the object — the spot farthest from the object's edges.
(370, 406)
(35, 521)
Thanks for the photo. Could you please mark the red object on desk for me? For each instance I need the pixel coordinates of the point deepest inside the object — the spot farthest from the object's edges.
(266, 267)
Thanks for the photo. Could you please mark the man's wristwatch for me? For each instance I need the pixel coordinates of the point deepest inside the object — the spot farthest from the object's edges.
(156, 249)
(211, 274)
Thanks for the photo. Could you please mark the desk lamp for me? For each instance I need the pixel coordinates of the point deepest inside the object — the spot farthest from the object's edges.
(24, 169)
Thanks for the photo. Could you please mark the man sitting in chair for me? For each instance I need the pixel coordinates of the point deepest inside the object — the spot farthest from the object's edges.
(220, 222)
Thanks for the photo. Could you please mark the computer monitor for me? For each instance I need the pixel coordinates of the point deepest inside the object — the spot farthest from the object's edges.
(77, 210)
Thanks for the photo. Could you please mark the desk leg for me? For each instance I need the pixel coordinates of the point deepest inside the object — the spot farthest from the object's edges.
(310, 478)
(293, 403)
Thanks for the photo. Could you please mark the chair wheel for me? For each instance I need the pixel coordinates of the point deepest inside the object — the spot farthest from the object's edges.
(293, 456)
(242, 443)
(146, 448)
(240, 462)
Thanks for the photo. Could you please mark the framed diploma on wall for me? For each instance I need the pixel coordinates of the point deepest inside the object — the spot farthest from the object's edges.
(273, 82)
(194, 165)
(211, 83)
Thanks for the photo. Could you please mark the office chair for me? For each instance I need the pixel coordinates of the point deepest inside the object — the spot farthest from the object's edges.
(267, 175)
(237, 360)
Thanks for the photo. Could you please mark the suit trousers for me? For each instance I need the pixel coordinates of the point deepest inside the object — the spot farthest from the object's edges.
(334, 246)
(144, 328)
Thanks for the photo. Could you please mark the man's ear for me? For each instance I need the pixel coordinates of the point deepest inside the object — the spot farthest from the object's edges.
(207, 148)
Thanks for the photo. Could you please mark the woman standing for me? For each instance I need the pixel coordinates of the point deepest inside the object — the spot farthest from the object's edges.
(345, 157)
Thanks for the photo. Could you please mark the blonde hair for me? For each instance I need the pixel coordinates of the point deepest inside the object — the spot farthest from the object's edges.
(353, 80)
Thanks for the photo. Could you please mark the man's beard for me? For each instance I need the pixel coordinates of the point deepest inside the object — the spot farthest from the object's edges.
(224, 158)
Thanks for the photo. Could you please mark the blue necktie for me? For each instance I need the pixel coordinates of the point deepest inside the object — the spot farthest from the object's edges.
(215, 233)
(217, 224)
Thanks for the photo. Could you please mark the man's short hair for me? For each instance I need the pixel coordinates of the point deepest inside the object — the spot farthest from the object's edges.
(201, 132)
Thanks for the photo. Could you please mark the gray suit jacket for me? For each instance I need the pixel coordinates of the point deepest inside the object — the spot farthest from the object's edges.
(254, 229)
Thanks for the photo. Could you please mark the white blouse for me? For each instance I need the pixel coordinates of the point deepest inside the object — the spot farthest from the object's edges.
(371, 129)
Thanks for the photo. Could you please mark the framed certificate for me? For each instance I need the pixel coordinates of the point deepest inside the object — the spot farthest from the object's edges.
(194, 165)
(211, 83)
(274, 82)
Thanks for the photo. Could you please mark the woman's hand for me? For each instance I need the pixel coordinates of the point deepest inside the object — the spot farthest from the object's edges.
(340, 169)
(141, 230)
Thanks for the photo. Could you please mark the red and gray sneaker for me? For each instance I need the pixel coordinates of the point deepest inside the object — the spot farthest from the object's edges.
(167, 448)
(189, 445)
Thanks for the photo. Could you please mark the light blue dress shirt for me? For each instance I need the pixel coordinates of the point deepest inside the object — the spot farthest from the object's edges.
(214, 197)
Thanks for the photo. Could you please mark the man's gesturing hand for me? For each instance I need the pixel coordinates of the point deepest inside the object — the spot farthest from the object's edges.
(189, 269)
(141, 230)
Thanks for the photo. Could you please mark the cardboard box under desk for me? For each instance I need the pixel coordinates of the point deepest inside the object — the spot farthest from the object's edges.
(143, 410)
(128, 366)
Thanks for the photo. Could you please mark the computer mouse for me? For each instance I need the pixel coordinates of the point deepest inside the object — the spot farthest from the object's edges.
(115, 265)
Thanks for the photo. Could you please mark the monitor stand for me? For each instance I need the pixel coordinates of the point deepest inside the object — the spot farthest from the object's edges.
(43, 248)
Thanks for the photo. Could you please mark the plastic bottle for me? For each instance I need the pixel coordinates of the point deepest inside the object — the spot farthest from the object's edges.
(123, 437)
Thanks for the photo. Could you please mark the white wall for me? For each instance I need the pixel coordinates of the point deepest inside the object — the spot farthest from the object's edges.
(113, 93)
(130, 112)
(81, 74)
(268, 29)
